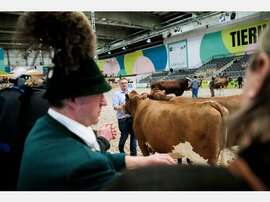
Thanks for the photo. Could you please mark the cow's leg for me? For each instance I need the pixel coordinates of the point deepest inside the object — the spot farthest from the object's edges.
(179, 92)
(141, 140)
(214, 141)
(220, 91)
(212, 161)
(211, 147)
(189, 162)
(151, 151)
(180, 161)
(208, 146)
(143, 147)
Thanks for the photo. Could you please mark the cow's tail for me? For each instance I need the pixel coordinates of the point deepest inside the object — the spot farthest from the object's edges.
(224, 112)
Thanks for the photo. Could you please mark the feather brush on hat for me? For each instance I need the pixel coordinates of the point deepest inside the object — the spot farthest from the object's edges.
(68, 34)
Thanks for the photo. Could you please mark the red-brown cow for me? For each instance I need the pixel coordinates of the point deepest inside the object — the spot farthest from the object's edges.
(163, 125)
(232, 103)
(221, 82)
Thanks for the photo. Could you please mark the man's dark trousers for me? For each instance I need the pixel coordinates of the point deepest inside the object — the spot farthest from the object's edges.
(125, 127)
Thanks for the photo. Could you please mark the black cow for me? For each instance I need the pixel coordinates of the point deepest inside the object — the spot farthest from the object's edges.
(172, 86)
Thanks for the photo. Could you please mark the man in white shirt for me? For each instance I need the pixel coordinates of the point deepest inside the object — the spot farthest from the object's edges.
(124, 119)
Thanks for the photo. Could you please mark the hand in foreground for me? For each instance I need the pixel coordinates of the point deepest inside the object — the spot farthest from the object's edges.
(156, 159)
(108, 131)
(159, 159)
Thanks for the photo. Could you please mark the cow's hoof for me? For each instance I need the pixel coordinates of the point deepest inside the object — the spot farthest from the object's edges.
(189, 162)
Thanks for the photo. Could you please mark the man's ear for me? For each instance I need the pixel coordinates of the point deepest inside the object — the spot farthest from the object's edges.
(257, 73)
(70, 102)
(262, 65)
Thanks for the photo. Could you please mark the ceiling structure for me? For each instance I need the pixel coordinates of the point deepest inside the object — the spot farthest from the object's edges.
(111, 28)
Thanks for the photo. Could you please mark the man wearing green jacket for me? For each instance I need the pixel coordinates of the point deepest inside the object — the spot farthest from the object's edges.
(61, 151)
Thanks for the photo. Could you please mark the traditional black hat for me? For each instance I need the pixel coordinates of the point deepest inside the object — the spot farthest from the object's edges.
(86, 80)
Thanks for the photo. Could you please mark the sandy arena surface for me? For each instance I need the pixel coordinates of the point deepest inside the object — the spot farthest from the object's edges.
(108, 115)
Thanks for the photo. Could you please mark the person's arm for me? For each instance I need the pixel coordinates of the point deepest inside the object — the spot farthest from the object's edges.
(116, 103)
(121, 161)
(191, 83)
(118, 107)
(94, 174)
(104, 144)
(133, 162)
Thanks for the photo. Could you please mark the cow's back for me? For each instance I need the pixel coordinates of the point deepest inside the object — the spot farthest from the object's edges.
(164, 84)
(232, 103)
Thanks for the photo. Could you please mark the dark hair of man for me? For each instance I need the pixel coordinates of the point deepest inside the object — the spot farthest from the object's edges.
(58, 103)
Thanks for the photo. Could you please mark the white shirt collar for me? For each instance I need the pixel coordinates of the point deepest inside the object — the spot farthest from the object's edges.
(85, 133)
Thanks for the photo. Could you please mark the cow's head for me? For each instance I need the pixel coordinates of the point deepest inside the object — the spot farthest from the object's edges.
(132, 100)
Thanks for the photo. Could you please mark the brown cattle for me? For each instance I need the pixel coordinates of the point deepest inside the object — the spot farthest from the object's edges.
(172, 86)
(163, 125)
(221, 82)
(232, 103)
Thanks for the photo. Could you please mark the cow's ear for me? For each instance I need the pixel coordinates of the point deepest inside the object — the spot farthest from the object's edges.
(127, 97)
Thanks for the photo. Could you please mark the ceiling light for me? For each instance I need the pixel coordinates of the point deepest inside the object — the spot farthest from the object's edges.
(233, 15)
(222, 18)
(148, 41)
(169, 34)
(124, 48)
(103, 19)
(109, 53)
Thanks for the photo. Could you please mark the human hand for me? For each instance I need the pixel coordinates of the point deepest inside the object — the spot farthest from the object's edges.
(133, 162)
(123, 107)
(160, 159)
(108, 131)
(120, 107)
